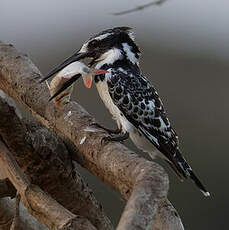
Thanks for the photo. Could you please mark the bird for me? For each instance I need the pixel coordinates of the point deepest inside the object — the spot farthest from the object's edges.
(131, 99)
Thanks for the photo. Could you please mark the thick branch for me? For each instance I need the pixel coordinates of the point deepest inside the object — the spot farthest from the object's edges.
(143, 183)
(40, 204)
(27, 222)
(7, 212)
(45, 158)
(16, 220)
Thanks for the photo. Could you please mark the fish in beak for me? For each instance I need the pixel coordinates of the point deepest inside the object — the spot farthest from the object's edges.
(61, 85)
(87, 78)
(74, 58)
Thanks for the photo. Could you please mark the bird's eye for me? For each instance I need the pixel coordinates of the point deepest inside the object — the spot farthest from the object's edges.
(93, 43)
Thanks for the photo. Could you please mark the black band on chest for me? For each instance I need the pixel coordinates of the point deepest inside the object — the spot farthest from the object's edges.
(99, 78)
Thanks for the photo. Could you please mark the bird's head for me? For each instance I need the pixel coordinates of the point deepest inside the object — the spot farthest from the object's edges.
(105, 48)
(111, 45)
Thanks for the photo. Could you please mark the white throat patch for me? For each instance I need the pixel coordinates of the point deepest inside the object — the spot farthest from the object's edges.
(130, 55)
(83, 48)
(109, 57)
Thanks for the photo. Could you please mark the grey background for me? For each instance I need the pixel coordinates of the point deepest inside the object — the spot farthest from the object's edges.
(185, 56)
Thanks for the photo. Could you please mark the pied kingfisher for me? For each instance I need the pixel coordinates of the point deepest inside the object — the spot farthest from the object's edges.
(130, 97)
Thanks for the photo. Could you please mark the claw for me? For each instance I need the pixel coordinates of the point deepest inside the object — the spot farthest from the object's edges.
(120, 138)
(110, 131)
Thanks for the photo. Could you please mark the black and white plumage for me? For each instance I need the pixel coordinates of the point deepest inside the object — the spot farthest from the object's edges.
(130, 97)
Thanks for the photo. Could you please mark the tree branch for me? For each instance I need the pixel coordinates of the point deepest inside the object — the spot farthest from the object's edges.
(16, 221)
(7, 213)
(27, 221)
(40, 204)
(45, 158)
(143, 183)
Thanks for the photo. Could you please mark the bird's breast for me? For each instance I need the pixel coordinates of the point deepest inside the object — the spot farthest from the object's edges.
(122, 122)
(103, 91)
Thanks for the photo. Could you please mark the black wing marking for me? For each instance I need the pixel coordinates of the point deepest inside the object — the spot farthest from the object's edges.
(139, 102)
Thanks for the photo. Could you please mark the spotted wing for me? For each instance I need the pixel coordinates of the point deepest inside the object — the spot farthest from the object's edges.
(135, 96)
(140, 104)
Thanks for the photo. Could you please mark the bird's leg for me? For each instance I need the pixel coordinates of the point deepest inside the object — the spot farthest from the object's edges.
(110, 131)
(119, 138)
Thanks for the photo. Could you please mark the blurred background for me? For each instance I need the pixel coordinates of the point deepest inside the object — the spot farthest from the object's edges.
(185, 54)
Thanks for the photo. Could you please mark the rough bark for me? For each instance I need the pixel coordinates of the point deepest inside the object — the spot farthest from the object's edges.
(44, 158)
(7, 212)
(27, 221)
(143, 183)
(39, 203)
(16, 220)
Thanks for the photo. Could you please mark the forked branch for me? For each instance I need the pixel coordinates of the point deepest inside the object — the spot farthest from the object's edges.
(44, 157)
(39, 203)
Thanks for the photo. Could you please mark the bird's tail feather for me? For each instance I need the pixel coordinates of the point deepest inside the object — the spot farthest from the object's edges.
(174, 168)
(198, 183)
(176, 162)
(185, 170)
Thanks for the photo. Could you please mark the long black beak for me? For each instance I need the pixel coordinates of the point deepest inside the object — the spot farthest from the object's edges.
(73, 58)
(66, 85)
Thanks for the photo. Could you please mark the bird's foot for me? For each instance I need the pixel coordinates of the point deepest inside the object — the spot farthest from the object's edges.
(119, 138)
(110, 131)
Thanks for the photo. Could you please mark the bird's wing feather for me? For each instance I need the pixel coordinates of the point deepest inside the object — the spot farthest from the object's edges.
(139, 102)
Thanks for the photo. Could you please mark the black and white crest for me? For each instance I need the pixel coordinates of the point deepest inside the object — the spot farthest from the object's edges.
(118, 41)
